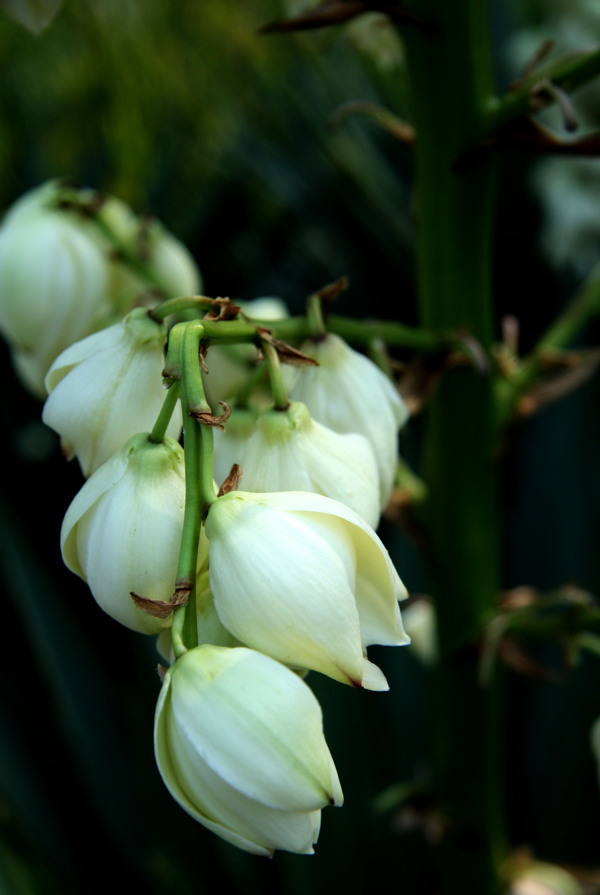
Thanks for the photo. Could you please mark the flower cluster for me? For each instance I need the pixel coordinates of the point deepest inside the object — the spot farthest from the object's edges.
(279, 574)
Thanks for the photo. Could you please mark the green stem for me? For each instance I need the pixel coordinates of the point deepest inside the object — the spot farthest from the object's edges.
(451, 78)
(295, 329)
(253, 381)
(278, 389)
(179, 304)
(164, 418)
(314, 316)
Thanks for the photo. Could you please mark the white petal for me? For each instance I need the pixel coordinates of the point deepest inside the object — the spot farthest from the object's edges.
(281, 587)
(265, 736)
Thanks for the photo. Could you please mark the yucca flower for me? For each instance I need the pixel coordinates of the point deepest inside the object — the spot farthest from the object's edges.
(239, 744)
(122, 531)
(106, 388)
(289, 451)
(304, 579)
(348, 393)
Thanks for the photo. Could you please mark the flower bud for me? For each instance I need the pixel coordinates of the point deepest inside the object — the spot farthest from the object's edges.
(348, 393)
(122, 532)
(107, 388)
(304, 579)
(239, 744)
(53, 282)
(289, 451)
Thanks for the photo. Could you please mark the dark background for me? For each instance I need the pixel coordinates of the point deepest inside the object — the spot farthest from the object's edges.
(184, 111)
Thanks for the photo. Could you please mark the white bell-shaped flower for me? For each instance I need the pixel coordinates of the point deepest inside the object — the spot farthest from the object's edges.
(239, 744)
(289, 451)
(348, 393)
(122, 531)
(107, 387)
(54, 277)
(304, 579)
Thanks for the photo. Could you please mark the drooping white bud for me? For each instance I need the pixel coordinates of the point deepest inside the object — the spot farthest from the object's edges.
(289, 451)
(348, 393)
(304, 579)
(239, 744)
(107, 388)
(122, 531)
(54, 279)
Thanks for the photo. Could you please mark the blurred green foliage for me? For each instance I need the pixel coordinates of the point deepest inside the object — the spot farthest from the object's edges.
(185, 111)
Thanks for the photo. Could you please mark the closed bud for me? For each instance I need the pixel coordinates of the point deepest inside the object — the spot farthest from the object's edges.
(348, 393)
(122, 532)
(106, 388)
(289, 451)
(54, 279)
(304, 579)
(239, 744)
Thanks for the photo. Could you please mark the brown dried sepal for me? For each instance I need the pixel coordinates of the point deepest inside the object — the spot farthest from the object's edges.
(287, 354)
(232, 482)
(225, 310)
(210, 419)
(161, 608)
(570, 370)
(331, 291)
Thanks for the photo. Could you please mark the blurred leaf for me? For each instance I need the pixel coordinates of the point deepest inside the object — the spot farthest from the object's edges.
(35, 15)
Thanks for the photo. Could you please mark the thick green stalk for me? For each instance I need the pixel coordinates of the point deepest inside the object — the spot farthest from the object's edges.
(451, 82)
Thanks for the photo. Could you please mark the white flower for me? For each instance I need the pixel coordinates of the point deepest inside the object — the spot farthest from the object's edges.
(107, 388)
(304, 579)
(289, 451)
(53, 282)
(348, 393)
(122, 531)
(239, 744)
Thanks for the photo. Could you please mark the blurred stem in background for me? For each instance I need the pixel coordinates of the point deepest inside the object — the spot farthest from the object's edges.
(451, 81)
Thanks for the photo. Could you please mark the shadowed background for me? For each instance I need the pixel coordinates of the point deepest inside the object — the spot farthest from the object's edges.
(230, 138)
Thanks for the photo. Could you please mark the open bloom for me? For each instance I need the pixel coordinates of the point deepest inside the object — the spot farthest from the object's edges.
(348, 393)
(239, 743)
(122, 531)
(304, 579)
(107, 388)
(289, 451)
